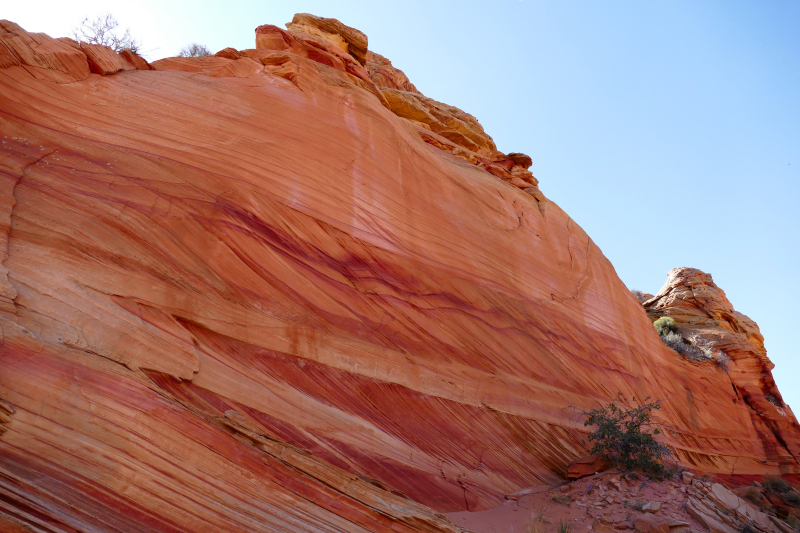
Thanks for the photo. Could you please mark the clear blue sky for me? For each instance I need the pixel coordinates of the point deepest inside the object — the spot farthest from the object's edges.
(669, 130)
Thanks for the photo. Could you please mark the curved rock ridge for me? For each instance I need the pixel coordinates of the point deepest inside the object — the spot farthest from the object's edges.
(241, 293)
(60, 60)
(706, 317)
(384, 74)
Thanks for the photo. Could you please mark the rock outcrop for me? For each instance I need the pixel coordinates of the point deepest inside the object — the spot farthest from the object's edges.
(60, 60)
(384, 74)
(721, 511)
(706, 318)
(251, 292)
(587, 466)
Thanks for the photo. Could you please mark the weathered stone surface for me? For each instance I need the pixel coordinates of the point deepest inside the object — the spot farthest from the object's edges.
(651, 507)
(269, 37)
(722, 511)
(213, 266)
(229, 53)
(134, 60)
(707, 517)
(383, 74)
(704, 315)
(45, 58)
(648, 523)
(723, 497)
(448, 121)
(587, 466)
(6, 411)
(103, 60)
(600, 525)
(348, 39)
(522, 160)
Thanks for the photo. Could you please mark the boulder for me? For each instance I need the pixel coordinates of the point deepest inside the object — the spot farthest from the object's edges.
(651, 507)
(103, 60)
(134, 60)
(229, 53)
(587, 466)
(522, 160)
(656, 524)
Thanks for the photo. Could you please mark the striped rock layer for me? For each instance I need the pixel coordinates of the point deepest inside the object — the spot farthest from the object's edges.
(278, 289)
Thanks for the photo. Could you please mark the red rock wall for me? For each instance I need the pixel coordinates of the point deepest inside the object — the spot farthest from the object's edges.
(267, 242)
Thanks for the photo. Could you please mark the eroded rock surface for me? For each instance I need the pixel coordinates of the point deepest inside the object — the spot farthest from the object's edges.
(706, 317)
(721, 511)
(216, 263)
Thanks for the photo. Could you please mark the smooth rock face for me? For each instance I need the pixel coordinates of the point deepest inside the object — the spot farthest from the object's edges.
(240, 293)
(703, 314)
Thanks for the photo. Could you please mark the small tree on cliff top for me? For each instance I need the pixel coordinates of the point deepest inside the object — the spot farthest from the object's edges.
(627, 436)
(103, 30)
(194, 50)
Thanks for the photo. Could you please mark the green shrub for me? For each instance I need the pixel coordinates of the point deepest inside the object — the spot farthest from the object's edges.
(792, 497)
(667, 330)
(665, 325)
(776, 484)
(627, 437)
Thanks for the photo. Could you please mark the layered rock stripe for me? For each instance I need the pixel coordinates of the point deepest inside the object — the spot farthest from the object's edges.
(213, 264)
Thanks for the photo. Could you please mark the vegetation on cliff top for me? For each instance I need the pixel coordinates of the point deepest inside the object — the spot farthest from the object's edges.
(668, 331)
(103, 30)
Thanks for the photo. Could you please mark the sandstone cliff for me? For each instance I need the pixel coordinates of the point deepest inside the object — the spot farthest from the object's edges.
(707, 319)
(278, 289)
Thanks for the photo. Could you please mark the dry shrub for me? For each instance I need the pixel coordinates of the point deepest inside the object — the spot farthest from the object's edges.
(563, 499)
(563, 527)
(753, 494)
(535, 523)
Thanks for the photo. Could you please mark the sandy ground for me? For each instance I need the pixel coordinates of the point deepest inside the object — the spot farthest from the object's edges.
(590, 504)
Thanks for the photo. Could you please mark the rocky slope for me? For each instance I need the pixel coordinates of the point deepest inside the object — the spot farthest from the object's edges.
(609, 502)
(278, 289)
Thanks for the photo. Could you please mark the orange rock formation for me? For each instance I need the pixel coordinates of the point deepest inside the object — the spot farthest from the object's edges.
(278, 289)
(706, 317)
